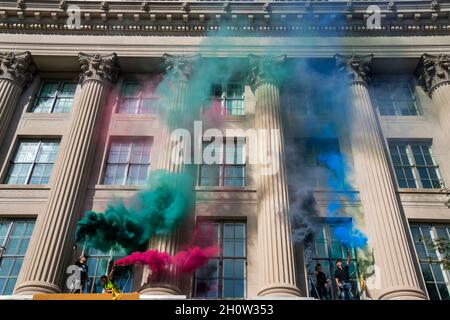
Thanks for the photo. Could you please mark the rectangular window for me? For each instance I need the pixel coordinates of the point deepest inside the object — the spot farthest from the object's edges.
(128, 162)
(395, 98)
(100, 263)
(326, 250)
(137, 98)
(32, 162)
(425, 237)
(309, 102)
(230, 96)
(54, 97)
(15, 236)
(230, 169)
(225, 275)
(415, 165)
(322, 158)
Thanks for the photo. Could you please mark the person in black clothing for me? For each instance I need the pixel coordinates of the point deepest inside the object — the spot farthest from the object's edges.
(342, 277)
(321, 283)
(81, 263)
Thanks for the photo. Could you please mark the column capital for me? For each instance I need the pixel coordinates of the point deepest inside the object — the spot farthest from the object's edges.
(180, 67)
(16, 67)
(265, 69)
(98, 67)
(433, 71)
(355, 68)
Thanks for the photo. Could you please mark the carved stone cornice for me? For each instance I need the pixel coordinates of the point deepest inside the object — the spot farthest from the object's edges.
(433, 71)
(180, 67)
(265, 69)
(354, 68)
(17, 67)
(98, 67)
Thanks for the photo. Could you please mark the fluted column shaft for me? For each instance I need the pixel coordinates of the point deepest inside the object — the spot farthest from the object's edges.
(277, 268)
(441, 97)
(15, 71)
(386, 230)
(44, 268)
(9, 96)
(176, 116)
(177, 106)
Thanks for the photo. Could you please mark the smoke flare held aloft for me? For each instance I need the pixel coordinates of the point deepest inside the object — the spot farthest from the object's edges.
(157, 210)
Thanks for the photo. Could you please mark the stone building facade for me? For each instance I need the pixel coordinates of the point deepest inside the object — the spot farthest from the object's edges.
(77, 129)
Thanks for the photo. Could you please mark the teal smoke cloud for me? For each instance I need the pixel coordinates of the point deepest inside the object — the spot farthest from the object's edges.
(157, 210)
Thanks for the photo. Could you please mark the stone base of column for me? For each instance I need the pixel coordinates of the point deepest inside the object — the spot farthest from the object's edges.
(280, 290)
(402, 293)
(33, 287)
(161, 289)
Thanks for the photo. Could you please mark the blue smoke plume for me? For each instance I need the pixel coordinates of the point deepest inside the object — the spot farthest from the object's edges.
(347, 233)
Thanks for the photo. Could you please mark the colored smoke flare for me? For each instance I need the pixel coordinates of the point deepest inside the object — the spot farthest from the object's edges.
(347, 233)
(157, 210)
(155, 260)
(186, 260)
(191, 259)
(349, 236)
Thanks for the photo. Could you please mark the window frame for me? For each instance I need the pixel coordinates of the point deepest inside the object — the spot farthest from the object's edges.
(433, 235)
(392, 98)
(33, 163)
(128, 164)
(325, 224)
(140, 98)
(413, 165)
(304, 142)
(224, 165)
(60, 85)
(7, 239)
(220, 258)
(307, 108)
(223, 99)
(110, 258)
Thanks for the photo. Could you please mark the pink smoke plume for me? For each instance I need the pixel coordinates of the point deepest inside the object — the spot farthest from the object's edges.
(187, 260)
(191, 259)
(155, 260)
(215, 114)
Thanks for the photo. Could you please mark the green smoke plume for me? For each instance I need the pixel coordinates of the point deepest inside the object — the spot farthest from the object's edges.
(157, 210)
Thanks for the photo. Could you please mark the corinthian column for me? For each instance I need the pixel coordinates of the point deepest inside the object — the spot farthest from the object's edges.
(16, 70)
(275, 248)
(434, 75)
(385, 227)
(47, 258)
(176, 116)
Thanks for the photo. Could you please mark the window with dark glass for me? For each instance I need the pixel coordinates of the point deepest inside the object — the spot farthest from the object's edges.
(128, 162)
(138, 98)
(15, 235)
(309, 102)
(100, 263)
(54, 97)
(230, 171)
(32, 162)
(230, 97)
(326, 250)
(426, 238)
(395, 98)
(322, 158)
(225, 275)
(415, 165)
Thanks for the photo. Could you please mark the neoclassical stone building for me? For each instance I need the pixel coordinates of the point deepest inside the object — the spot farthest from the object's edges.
(79, 127)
